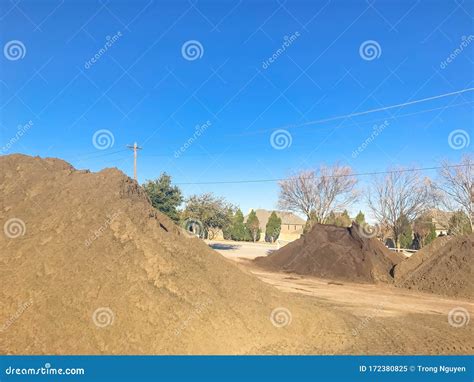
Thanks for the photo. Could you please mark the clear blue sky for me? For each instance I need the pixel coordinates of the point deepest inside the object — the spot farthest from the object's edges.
(142, 88)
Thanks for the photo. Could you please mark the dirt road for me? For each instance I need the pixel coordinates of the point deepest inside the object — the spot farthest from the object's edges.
(385, 319)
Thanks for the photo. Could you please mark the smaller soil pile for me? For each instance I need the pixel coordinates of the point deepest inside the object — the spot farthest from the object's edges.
(335, 253)
(446, 267)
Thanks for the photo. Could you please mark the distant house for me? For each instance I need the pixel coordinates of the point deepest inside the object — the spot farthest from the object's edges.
(440, 219)
(291, 225)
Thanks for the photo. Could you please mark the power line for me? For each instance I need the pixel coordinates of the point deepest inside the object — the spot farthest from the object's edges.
(207, 154)
(267, 130)
(100, 155)
(328, 176)
(315, 122)
(365, 122)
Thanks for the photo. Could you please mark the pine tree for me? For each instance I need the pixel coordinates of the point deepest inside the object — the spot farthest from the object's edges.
(310, 223)
(431, 236)
(163, 196)
(459, 224)
(253, 226)
(402, 233)
(360, 218)
(331, 219)
(405, 237)
(238, 230)
(344, 219)
(424, 230)
(273, 227)
(340, 220)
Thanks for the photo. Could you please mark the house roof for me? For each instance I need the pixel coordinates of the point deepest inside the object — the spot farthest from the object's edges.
(286, 218)
(439, 218)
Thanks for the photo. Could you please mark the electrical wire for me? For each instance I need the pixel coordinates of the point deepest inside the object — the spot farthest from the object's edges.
(328, 176)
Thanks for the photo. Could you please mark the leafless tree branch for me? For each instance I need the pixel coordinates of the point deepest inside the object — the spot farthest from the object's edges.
(457, 186)
(316, 193)
(399, 194)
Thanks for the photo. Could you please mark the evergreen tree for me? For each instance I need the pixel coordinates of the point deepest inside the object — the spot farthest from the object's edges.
(253, 225)
(402, 232)
(273, 227)
(340, 220)
(459, 224)
(360, 218)
(431, 236)
(424, 230)
(405, 236)
(309, 223)
(331, 219)
(163, 196)
(344, 219)
(238, 231)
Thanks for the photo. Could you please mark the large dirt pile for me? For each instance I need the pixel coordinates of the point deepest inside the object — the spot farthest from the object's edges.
(336, 253)
(446, 267)
(87, 266)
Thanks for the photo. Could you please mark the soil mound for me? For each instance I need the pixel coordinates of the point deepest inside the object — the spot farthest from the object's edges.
(87, 266)
(335, 253)
(445, 266)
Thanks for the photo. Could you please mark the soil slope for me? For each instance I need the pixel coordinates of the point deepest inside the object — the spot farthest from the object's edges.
(87, 266)
(445, 267)
(334, 253)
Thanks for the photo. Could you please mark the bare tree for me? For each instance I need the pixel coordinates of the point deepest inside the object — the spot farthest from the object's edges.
(457, 186)
(316, 193)
(401, 193)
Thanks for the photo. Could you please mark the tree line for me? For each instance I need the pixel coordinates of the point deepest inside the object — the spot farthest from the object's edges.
(214, 213)
(398, 200)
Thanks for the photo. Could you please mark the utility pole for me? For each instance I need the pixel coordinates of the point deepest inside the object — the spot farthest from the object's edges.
(135, 148)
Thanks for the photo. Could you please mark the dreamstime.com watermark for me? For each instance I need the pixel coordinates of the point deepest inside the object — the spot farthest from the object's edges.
(459, 139)
(465, 41)
(194, 227)
(14, 228)
(370, 50)
(458, 317)
(103, 139)
(368, 231)
(100, 231)
(44, 370)
(16, 315)
(21, 131)
(14, 50)
(280, 317)
(103, 317)
(287, 42)
(192, 50)
(364, 323)
(199, 130)
(198, 311)
(109, 42)
(281, 139)
(377, 130)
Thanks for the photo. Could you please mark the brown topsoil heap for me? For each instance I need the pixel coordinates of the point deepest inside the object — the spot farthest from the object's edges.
(89, 267)
(336, 253)
(446, 266)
